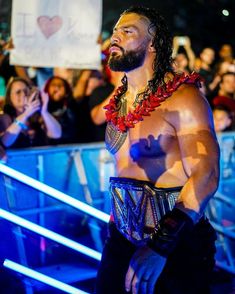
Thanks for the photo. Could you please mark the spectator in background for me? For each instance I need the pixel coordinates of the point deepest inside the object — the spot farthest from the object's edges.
(225, 64)
(226, 92)
(67, 74)
(63, 108)
(223, 68)
(223, 122)
(223, 118)
(26, 121)
(203, 65)
(226, 53)
(99, 99)
(76, 121)
(227, 85)
(88, 81)
(183, 59)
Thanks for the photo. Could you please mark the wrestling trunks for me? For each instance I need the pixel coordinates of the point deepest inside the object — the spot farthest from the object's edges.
(138, 206)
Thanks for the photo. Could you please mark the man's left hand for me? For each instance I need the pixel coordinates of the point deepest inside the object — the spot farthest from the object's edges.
(144, 270)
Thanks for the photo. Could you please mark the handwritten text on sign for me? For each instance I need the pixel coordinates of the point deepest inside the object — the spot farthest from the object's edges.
(62, 33)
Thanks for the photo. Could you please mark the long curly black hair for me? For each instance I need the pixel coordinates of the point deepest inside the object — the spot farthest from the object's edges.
(162, 42)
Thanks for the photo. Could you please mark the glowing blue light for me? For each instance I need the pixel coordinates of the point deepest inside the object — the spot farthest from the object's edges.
(54, 193)
(49, 234)
(41, 277)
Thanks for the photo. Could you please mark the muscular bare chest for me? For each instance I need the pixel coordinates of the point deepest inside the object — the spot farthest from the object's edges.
(148, 150)
(151, 138)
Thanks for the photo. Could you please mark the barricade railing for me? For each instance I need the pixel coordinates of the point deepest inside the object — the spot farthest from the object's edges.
(52, 192)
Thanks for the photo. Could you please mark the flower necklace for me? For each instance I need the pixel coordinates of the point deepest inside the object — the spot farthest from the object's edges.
(147, 104)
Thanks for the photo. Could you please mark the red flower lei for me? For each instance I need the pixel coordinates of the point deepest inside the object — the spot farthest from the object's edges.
(123, 123)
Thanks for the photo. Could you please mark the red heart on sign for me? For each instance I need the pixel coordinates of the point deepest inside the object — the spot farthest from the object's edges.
(49, 25)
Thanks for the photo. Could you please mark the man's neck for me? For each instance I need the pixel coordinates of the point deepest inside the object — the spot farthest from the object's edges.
(138, 79)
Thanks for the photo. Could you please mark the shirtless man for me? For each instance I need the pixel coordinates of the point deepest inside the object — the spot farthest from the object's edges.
(161, 133)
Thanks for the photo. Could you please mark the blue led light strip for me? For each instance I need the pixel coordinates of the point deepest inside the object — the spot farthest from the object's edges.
(49, 234)
(54, 193)
(41, 277)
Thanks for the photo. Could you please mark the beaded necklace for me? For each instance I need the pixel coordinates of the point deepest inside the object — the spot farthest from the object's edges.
(148, 104)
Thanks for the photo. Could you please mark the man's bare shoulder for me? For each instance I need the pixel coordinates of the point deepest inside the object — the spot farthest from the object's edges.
(186, 95)
(187, 106)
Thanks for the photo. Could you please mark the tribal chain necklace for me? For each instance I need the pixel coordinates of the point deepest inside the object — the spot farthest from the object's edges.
(113, 138)
(116, 112)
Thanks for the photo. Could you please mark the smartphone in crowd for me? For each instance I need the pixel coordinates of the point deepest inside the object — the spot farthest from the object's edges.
(182, 40)
(36, 92)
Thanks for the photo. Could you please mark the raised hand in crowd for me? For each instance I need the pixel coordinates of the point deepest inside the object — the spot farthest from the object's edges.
(26, 121)
(184, 60)
(31, 105)
(97, 111)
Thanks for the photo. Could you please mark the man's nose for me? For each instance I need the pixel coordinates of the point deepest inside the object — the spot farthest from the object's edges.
(115, 39)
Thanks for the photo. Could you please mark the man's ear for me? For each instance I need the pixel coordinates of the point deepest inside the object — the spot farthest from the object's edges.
(151, 47)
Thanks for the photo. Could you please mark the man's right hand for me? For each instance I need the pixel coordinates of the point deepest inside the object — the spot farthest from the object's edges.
(144, 270)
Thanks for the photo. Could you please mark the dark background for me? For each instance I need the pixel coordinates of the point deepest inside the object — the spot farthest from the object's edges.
(201, 20)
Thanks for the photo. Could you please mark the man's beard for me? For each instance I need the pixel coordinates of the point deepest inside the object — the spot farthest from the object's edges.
(129, 60)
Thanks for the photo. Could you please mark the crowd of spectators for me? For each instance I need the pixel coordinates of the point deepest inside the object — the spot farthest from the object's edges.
(217, 70)
(45, 106)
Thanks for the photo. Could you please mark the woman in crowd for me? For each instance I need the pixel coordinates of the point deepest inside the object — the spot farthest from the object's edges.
(63, 108)
(26, 121)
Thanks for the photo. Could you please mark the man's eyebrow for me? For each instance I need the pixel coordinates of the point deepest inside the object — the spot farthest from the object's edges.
(126, 27)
